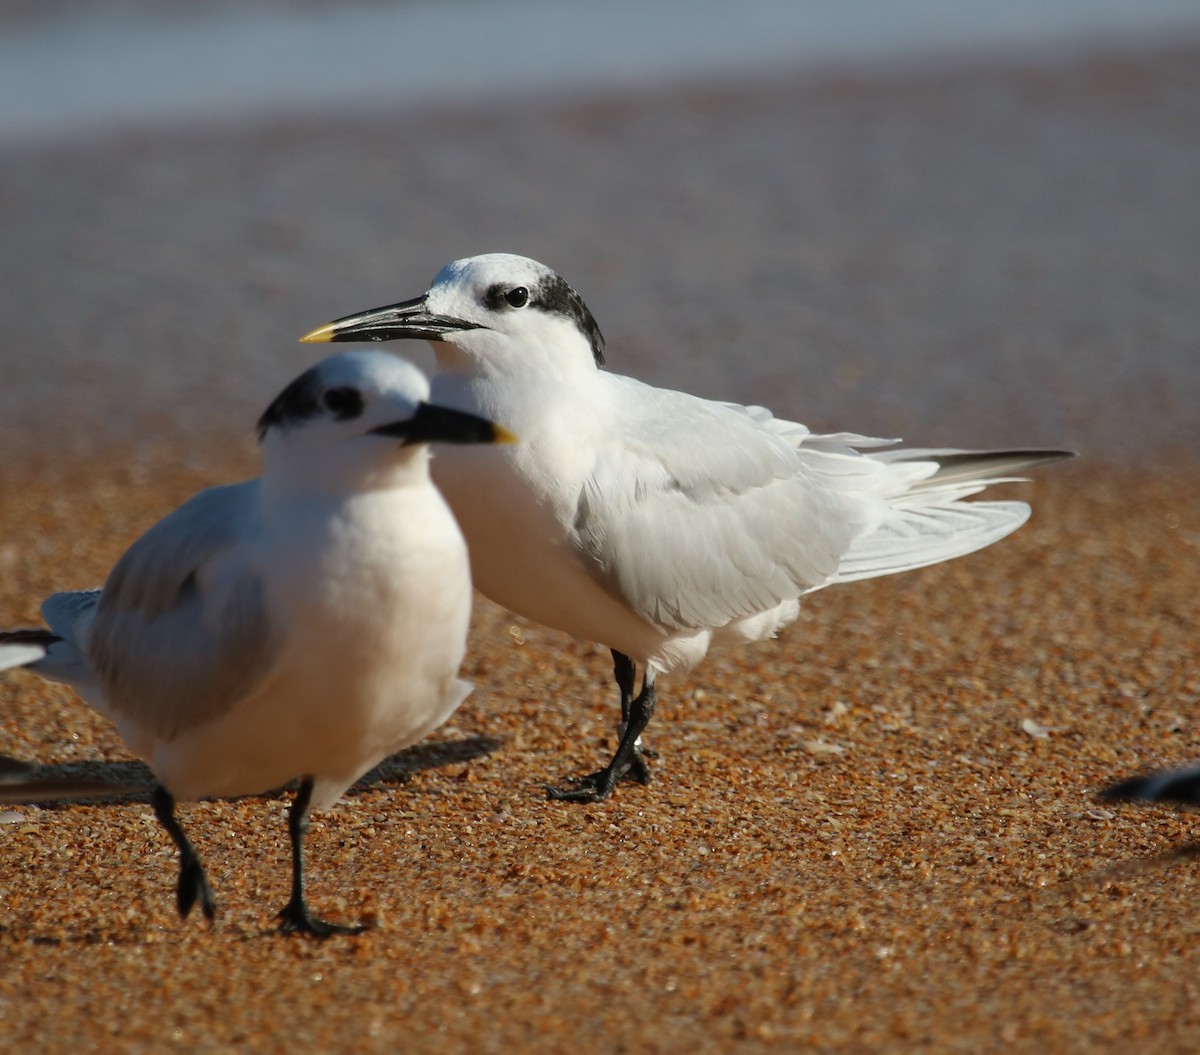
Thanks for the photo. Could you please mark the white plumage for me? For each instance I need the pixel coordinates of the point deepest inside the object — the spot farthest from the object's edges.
(653, 521)
(306, 624)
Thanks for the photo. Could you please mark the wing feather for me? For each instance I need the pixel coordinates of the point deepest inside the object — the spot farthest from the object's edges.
(697, 514)
(697, 534)
(180, 631)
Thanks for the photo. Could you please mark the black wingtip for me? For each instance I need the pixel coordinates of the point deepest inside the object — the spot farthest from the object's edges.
(32, 636)
(1123, 791)
(1014, 459)
(1180, 785)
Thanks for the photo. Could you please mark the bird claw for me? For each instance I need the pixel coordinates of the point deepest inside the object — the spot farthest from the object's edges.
(598, 786)
(595, 787)
(637, 770)
(296, 919)
(193, 887)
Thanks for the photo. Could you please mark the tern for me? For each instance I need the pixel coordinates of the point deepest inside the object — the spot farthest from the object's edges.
(652, 521)
(302, 625)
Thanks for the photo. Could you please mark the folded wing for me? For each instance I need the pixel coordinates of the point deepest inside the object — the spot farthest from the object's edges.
(702, 513)
(180, 631)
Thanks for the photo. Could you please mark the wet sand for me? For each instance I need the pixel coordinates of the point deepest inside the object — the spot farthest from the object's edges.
(875, 833)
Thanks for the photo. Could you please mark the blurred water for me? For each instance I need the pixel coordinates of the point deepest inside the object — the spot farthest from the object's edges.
(89, 70)
(977, 253)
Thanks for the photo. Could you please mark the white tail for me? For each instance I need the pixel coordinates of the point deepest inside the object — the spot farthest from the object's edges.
(928, 520)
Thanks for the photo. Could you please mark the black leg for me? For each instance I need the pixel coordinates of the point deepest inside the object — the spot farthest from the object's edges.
(193, 883)
(295, 917)
(625, 672)
(627, 760)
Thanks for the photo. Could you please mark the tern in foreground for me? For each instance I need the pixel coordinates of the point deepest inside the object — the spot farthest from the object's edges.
(652, 521)
(306, 624)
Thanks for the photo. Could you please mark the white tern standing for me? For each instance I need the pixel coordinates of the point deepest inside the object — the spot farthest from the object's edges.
(306, 624)
(653, 521)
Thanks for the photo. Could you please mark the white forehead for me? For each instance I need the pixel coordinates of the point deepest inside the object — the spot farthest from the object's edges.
(372, 373)
(466, 289)
(479, 273)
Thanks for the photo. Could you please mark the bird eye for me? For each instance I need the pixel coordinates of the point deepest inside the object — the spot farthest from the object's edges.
(343, 403)
(517, 297)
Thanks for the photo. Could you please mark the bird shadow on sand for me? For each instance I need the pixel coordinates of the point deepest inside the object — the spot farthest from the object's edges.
(1122, 870)
(1061, 897)
(400, 767)
(29, 783)
(105, 783)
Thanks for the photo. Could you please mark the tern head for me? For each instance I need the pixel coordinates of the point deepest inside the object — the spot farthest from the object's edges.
(481, 306)
(349, 411)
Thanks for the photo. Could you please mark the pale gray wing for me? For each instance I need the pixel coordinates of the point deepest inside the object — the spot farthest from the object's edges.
(698, 513)
(927, 521)
(70, 615)
(180, 633)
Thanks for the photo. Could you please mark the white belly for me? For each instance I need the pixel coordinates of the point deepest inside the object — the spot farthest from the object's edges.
(369, 665)
(523, 558)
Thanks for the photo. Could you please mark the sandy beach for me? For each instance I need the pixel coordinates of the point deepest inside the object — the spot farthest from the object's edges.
(877, 832)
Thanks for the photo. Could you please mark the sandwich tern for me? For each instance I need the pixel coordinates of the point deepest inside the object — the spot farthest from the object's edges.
(652, 521)
(305, 624)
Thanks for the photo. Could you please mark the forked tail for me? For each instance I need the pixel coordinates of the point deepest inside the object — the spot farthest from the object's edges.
(927, 520)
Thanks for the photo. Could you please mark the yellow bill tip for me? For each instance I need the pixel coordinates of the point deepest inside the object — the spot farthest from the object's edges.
(321, 335)
(503, 435)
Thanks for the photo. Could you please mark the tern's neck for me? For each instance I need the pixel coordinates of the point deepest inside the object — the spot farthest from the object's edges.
(530, 367)
(340, 472)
